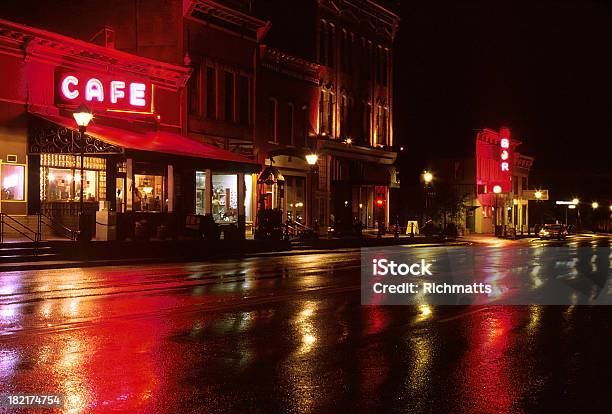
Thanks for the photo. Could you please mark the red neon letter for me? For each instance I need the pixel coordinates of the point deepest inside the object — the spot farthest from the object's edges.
(66, 83)
(504, 166)
(137, 94)
(504, 155)
(116, 91)
(94, 89)
(505, 143)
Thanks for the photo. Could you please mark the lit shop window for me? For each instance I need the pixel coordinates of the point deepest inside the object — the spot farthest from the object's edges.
(225, 198)
(13, 182)
(248, 196)
(295, 198)
(60, 178)
(148, 193)
(200, 192)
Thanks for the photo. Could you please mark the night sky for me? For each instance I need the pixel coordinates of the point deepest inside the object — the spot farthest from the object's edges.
(540, 67)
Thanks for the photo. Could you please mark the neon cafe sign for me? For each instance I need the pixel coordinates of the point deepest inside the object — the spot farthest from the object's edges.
(108, 93)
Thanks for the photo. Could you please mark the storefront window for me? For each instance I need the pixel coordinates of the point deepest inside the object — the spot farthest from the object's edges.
(60, 178)
(248, 197)
(295, 198)
(148, 193)
(13, 182)
(200, 188)
(225, 197)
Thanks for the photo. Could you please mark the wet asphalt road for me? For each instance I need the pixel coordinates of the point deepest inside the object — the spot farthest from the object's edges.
(288, 334)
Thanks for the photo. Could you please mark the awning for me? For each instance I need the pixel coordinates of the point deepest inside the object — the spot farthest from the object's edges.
(158, 141)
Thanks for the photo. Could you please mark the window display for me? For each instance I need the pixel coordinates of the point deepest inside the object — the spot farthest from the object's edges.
(60, 178)
(148, 193)
(200, 189)
(225, 197)
(13, 182)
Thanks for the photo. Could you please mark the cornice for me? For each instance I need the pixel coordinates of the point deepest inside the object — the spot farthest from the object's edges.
(217, 11)
(290, 65)
(39, 45)
(377, 18)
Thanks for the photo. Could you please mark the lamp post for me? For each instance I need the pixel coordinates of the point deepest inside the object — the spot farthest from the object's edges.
(82, 115)
(311, 160)
(427, 179)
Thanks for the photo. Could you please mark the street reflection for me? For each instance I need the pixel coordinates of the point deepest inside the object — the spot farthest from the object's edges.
(487, 369)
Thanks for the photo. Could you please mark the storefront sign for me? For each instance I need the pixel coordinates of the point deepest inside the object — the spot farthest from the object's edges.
(103, 92)
(505, 162)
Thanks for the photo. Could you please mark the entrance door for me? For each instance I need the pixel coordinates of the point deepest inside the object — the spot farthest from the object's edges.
(121, 199)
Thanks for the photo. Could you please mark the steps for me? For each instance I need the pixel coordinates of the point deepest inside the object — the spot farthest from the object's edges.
(21, 252)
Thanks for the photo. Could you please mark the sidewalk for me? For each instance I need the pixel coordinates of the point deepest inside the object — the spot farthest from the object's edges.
(97, 253)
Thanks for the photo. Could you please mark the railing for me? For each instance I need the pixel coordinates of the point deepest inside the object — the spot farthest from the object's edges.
(45, 220)
(25, 231)
(296, 229)
(42, 220)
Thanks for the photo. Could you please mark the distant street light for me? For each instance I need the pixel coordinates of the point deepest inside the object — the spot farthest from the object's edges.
(427, 179)
(538, 195)
(595, 205)
(575, 201)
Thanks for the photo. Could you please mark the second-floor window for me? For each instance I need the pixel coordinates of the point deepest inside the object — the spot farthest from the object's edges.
(326, 113)
(290, 123)
(229, 96)
(211, 92)
(306, 124)
(385, 66)
(243, 100)
(272, 120)
(367, 122)
(194, 92)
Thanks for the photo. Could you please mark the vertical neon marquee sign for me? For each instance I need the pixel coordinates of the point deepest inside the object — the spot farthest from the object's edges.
(505, 160)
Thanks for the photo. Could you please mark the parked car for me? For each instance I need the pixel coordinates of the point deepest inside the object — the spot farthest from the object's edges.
(553, 231)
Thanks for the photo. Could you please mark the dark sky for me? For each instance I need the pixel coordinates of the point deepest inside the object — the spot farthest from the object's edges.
(540, 67)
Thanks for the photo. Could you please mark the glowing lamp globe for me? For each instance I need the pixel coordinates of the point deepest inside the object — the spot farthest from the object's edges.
(427, 177)
(82, 115)
(312, 159)
(497, 189)
(595, 204)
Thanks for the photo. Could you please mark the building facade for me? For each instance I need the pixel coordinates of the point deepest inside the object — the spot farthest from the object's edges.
(351, 41)
(491, 185)
(285, 132)
(136, 157)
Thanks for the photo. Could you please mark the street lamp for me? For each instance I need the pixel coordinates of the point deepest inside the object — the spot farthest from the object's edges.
(311, 160)
(427, 179)
(575, 201)
(538, 195)
(595, 205)
(82, 115)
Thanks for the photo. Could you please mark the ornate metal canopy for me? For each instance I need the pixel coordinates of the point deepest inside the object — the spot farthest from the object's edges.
(47, 137)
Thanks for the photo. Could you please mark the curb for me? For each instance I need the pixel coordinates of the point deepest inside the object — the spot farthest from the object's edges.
(13, 267)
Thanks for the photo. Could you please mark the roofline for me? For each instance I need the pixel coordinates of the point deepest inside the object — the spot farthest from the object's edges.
(38, 44)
